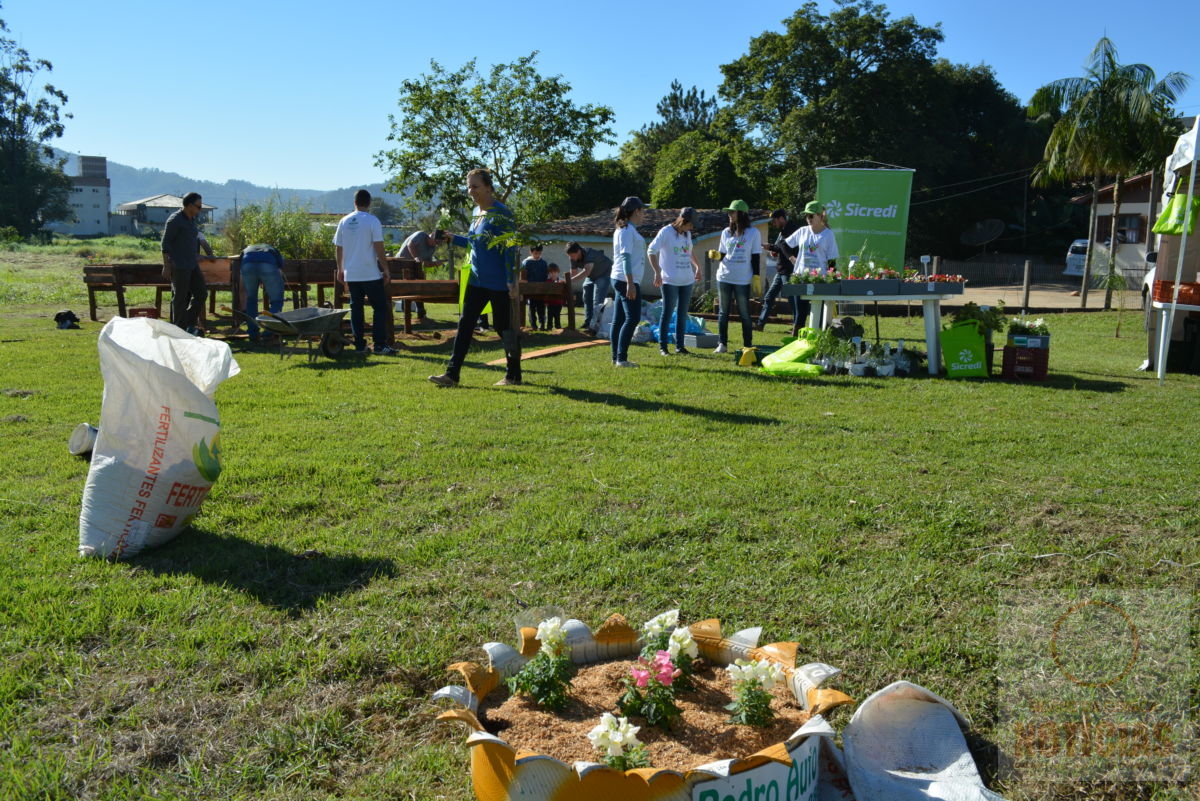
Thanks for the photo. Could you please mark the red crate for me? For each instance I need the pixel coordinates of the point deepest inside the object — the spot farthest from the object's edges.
(1025, 363)
(142, 311)
(1189, 293)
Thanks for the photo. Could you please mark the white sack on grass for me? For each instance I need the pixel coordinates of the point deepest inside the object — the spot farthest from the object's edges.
(158, 451)
(904, 743)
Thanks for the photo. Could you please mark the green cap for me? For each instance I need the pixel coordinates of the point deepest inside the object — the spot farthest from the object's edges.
(739, 205)
(814, 207)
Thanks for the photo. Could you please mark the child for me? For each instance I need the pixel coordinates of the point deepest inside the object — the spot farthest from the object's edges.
(553, 307)
(534, 269)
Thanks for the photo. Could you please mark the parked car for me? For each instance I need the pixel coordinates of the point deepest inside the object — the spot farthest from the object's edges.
(1148, 278)
(1076, 257)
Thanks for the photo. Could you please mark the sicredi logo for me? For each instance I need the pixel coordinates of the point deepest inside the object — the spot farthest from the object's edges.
(835, 208)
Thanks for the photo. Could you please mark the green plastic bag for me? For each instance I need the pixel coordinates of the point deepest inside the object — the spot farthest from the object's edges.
(964, 350)
(1176, 212)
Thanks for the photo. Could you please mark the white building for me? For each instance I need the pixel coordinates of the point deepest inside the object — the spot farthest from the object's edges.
(89, 199)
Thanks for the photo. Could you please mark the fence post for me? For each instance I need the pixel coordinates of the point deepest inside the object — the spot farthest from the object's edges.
(937, 265)
(1025, 287)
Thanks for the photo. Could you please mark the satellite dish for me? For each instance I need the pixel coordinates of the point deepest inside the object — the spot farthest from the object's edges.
(982, 232)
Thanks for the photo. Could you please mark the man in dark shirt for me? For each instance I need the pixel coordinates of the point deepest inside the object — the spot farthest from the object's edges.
(181, 265)
(785, 258)
(595, 269)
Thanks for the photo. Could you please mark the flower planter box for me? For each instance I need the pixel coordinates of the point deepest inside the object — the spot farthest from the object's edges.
(794, 290)
(807, 760)
(1036, 341)
(931, 287)
(1029, 363)
(700, 340)
(871, 286)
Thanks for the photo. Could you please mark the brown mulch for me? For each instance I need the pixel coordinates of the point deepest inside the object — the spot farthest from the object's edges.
(703, 734)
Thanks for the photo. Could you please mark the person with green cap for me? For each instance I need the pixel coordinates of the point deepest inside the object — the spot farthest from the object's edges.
(814, 244)
(740, 251)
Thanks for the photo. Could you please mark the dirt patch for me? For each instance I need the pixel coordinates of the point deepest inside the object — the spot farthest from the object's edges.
(19, 393)
(703, 733)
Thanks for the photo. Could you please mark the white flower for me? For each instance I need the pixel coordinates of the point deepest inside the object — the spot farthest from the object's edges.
(763, 672)
(681, 641)
(551, 635)
(613, 735)
(654, 627)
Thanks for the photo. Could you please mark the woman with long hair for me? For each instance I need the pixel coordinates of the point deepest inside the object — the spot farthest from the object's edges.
(740, 249)
(676, 271)
(629, 261)
(493, 280)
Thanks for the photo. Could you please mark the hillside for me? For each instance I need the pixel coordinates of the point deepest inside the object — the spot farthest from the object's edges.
(132, 183)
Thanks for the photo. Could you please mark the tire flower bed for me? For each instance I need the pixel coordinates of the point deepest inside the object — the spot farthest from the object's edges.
(651, 708)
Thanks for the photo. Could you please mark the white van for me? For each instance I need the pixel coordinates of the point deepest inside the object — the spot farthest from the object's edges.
(1076, 257)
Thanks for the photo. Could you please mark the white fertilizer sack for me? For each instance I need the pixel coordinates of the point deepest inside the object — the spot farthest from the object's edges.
(158, 450)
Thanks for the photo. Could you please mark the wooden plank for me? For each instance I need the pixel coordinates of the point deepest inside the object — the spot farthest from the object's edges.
(557, 349)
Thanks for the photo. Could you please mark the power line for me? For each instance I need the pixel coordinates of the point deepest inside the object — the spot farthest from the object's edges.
(971, 191)
(976, 180)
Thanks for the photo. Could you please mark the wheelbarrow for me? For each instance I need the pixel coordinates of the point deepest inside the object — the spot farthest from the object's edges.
(308, 325)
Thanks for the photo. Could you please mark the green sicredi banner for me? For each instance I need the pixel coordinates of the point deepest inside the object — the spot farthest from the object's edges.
(867, 207)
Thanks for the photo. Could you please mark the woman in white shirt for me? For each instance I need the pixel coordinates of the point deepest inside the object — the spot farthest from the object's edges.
(629, 260)
(676, 271)
(741, 248)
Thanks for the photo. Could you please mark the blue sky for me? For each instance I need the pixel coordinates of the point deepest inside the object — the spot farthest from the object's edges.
(297, 94)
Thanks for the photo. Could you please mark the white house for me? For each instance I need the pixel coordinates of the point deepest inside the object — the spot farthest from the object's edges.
(151, 213)
(1133, 226)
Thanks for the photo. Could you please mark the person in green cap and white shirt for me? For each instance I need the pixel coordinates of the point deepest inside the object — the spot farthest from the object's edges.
(814, 244)
(740, 251)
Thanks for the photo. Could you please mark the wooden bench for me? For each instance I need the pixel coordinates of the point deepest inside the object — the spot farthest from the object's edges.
(294, 281)
(548, 290)
(216, 275)
(97, 278)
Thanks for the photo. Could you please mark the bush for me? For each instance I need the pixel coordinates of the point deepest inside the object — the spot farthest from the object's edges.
(287, 227)
(10, 236)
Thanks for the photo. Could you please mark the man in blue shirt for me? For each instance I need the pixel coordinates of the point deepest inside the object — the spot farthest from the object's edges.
(261, 265)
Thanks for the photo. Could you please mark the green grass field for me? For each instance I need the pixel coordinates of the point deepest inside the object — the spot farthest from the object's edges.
(879, 523)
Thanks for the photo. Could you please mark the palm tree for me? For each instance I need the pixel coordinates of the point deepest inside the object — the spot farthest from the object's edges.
(1115, 119)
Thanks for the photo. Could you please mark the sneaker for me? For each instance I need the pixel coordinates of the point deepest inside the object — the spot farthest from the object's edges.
(759, 325)
(479, 329)
(360, 348)
(682, 352)
(624, 364)
(385, 351)
(444, 380)
(721, 348)
(663, 352)
(506, 382)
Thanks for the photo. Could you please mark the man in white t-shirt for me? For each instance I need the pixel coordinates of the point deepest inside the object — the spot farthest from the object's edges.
(363, 268)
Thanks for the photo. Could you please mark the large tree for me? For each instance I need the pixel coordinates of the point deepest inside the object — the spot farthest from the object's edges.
(856, 84)
(1113, 120)
(513, 121)
(33, 188)
(679, 113)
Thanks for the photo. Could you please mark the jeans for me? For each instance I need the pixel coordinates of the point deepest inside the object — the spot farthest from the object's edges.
(271, 278)
(594, 293)
(625, 319)
(675, 299)
(800, 306)
(374, 292)
(728, 292)
(537, 314)
(188, 292)
(474, 300)
(553, 310)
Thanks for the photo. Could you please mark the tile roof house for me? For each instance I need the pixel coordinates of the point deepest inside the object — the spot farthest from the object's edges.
(152, 212)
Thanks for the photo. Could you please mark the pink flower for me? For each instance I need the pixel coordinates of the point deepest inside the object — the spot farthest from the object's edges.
(641, 677)
(664, 669)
